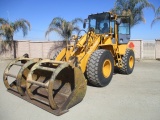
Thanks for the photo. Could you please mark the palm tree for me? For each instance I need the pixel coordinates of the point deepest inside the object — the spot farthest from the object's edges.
(157, 16)
(132, 8)
(63, 27)
(7, 30)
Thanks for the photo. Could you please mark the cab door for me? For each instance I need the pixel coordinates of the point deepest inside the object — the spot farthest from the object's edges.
(124, 30)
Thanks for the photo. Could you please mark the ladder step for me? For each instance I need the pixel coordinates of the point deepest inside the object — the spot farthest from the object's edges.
(8, 74)
(45, 85)
(46, 68)
(40, 100)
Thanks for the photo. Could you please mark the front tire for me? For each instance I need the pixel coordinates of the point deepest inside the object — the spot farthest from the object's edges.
(100, 68)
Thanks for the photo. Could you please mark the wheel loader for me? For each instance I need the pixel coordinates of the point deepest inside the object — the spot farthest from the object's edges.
(58, 84)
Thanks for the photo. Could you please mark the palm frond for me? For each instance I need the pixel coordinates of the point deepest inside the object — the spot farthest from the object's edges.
(76, 29)
(76, 20)
(22, 24)
(155, 20)
(157, 13)
(132, 8)
(56, 22)
(53, 30)
(1, 33)
(63, 27)
(147, 4)
(7, 31)
(3, 21)
(157, 16)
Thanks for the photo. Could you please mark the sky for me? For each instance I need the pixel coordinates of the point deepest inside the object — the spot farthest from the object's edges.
(41, 12)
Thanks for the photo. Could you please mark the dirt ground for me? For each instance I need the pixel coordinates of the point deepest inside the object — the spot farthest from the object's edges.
(127, 97)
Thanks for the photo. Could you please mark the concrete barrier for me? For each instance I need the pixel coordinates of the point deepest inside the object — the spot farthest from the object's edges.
(157, 49)
(45, 49)
(149, 50)
(138, 48)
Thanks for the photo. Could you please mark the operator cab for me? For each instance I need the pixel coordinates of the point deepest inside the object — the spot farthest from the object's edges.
(100, 22)
(107, 23)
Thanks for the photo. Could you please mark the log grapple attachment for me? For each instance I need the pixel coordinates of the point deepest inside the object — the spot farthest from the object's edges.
(52, 85)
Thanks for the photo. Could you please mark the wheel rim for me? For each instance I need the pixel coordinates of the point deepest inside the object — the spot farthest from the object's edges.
(106, 69)
(131, 61)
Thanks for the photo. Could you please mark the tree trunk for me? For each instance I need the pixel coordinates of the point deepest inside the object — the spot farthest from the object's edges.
(14, 47)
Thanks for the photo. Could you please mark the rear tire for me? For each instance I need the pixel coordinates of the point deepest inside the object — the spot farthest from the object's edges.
(128, 62)
(100, 68)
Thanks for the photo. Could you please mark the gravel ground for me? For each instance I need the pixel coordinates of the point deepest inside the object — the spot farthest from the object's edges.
(127, 97)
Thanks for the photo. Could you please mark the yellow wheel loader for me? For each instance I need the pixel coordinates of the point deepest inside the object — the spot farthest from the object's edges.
(59, 83)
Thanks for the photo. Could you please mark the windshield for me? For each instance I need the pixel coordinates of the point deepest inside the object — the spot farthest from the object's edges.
(100, 22)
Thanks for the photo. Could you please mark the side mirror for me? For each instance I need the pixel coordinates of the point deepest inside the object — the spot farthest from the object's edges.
(118, 21)
(84, 23)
